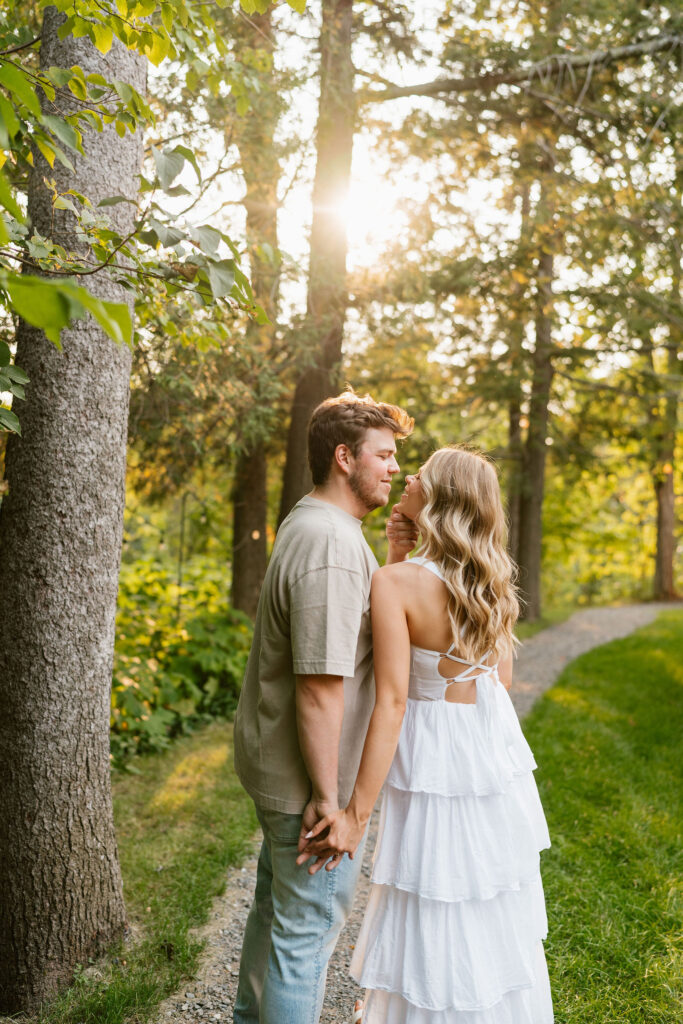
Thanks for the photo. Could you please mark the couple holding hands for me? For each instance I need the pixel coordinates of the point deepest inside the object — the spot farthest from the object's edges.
(454, 927)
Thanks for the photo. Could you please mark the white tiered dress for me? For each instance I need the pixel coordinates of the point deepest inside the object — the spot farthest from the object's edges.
(454, 927)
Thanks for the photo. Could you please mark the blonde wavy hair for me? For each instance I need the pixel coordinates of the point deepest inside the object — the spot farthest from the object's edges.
(463, 530)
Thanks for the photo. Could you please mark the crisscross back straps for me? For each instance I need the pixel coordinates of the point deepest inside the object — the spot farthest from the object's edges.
(473, 670)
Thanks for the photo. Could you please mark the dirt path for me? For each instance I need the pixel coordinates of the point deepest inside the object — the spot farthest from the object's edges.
(211, 995)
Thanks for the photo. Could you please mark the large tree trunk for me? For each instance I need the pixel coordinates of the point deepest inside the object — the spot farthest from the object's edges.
(60, 534)
(533, 481)
(261, 171)
(327, 293)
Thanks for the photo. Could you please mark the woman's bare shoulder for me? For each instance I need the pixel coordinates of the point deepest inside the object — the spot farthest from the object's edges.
(404, 574)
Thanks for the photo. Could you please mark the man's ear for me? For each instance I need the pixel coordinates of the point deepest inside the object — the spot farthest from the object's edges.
(343, 459)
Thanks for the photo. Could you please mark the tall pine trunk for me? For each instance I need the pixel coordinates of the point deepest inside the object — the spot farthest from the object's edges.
(261, 172)
(327, 292)
(60, 533)
(534, 456)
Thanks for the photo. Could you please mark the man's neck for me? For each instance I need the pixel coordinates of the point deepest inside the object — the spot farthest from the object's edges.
(334, 493)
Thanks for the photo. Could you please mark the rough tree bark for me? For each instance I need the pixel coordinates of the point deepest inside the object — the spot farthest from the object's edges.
(534, 456)
(60, 533)
(327, 293)
(261, 170)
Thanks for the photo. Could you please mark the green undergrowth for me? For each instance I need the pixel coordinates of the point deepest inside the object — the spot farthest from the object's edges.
(181, 820)
(607, 738)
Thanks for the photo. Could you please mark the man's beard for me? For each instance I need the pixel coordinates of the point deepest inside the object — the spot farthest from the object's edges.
(361, 488)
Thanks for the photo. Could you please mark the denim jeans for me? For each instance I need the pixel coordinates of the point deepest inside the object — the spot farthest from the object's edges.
(292, 928)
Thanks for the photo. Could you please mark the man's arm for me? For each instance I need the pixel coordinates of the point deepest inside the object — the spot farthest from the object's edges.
(342, 831)
(402, 534)
(319, 715)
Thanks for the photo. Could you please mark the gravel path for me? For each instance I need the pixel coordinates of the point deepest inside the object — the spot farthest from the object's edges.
(211, 994)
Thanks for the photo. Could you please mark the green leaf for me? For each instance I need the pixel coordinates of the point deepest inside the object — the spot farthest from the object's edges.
(113, 317)
(65, 132)
(14, 373)
(8, 421)
(191, 159)
(221, 277)
(167, 235)
(16, 82)
(46, 150)
(9, 119)
(5, 354)
(115, 200)
(169, 164)
(158, 48)
(102, 36)
(59, 76)
(298, 5)
(43, 304)
(62, 203)
(209, 239)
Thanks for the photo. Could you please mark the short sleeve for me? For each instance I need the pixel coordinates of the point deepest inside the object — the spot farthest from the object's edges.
(326, 611)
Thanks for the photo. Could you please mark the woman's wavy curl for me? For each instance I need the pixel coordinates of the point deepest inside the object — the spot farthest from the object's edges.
(463, 530)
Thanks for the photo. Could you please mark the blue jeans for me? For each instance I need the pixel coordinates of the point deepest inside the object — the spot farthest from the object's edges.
(292, 928)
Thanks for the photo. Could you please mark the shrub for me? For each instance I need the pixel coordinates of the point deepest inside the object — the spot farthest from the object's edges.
(169, 676)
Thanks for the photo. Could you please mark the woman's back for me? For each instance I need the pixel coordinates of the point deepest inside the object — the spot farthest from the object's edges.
(426, 606)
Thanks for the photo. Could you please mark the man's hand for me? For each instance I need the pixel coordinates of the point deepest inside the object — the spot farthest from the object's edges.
(314, 811)
(402, 534)
(334, 835)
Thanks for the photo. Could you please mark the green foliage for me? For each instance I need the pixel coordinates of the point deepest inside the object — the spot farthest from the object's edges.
(194, 265)
(607, 741)
(176, 665)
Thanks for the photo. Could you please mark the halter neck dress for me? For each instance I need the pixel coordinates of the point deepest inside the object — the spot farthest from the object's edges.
(454, 927)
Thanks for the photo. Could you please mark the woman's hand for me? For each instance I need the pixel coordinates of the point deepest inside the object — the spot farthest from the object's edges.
(334, 835)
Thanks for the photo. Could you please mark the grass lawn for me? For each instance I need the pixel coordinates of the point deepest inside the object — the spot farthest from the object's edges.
(608, 738)
(180, 823)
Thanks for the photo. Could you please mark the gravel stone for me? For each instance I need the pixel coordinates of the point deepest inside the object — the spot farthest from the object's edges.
(539, 662)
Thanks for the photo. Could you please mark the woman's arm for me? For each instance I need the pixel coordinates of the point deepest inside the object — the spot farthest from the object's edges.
(505, 671)
(391, 647)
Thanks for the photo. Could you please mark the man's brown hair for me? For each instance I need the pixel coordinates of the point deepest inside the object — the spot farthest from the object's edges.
(345, 420)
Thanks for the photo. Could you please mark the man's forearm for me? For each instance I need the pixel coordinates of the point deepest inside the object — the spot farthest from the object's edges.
(319, 714)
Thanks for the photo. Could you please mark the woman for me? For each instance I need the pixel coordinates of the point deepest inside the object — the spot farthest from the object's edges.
(454, 926)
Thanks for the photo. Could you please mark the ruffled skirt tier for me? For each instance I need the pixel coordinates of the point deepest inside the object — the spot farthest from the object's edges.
(454, 928)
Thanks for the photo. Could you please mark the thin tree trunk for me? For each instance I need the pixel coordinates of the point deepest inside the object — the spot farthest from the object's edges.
(261, 173)
(663, 475)
(533, 483)
(60, 532)
(327, 292)
(249, 503)
(514, 495)
(515, 441)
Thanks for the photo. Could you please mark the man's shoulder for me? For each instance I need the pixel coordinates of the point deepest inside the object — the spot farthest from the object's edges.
(318, 535)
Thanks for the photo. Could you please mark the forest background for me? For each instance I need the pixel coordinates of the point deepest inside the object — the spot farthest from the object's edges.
(471, 209)
(512, 278)
(499, 253)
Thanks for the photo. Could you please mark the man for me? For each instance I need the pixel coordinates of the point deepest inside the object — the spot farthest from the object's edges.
(306, 700)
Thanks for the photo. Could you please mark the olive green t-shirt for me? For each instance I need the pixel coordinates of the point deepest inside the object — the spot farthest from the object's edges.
(313, 618)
